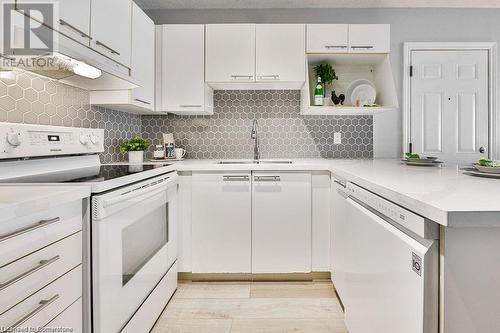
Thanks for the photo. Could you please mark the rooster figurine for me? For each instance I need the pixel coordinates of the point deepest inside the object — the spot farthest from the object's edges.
(338, 99)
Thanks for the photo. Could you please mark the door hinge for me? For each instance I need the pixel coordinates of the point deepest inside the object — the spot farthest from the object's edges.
(411, 71)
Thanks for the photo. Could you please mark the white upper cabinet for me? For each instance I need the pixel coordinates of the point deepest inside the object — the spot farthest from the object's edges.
(348, 38)
(183, 70)
(72, 18)
(280, 52)
(111, 22)
(143, 58)
(230, 52)
(327, 38)
(369, 38)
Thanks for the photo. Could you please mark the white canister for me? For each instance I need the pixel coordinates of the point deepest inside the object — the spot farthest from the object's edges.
(136, 156)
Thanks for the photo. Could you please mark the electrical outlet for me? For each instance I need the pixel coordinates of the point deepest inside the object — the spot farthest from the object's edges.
(337, 138)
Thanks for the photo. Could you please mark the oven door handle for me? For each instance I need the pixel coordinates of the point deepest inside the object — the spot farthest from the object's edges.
(140, 194)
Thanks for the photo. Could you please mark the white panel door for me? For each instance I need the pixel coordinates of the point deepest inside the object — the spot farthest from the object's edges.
(230, 52)
(369, 38)
(221, 222)
(281, 222)
(280, 52)
(449, 105)
(327, 38)
(111, 29)
(143, 58)
(183, 77)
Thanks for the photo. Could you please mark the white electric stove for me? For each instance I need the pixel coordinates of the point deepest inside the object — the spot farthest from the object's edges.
(131, 237)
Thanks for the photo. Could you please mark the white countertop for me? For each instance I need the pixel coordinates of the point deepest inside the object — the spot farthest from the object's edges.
(21, 200)
(442, 194)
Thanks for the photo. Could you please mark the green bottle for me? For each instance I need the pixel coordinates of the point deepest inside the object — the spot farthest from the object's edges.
(318, 93)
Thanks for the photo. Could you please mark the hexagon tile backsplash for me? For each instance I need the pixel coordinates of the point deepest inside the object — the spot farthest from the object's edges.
(283, 133)
(32, 99)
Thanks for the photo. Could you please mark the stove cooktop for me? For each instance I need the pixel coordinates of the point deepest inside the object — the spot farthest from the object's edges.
(95, 174)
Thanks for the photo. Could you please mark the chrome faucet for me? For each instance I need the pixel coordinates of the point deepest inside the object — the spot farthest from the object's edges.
(255, 136)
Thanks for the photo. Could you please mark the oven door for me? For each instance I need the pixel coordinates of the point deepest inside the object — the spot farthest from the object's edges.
(132, 247)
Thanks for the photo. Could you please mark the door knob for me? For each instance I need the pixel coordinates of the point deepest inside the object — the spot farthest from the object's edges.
(482, 150)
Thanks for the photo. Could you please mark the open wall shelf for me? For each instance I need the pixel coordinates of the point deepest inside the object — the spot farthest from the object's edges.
(350, 67)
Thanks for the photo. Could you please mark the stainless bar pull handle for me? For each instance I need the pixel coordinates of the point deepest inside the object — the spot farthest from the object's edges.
(269, 77)
(142, 101)
(342, 194)
(235, 178)
(341, 183)
(366, 47)
(267, 178)
(39, 266)
(83, 34)
(239, 77)
(106, 47)
(42, 305)
(336, 46)
(190, 106)
(39, 224)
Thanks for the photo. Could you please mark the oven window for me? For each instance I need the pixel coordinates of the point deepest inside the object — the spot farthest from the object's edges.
(142, 240)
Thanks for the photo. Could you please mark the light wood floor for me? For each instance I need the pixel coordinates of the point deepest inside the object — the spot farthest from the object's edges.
(252, 307)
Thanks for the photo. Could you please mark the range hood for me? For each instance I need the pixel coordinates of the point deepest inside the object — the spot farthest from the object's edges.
(58, 66)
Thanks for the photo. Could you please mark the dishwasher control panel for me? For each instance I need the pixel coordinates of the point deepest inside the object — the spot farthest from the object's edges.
(409, 220)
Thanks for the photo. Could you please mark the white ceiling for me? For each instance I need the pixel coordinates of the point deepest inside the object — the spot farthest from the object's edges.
(221, 4)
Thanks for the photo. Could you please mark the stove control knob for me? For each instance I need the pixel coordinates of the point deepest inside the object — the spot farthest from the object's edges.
(13, 139)
(94, 139)
(84, 139)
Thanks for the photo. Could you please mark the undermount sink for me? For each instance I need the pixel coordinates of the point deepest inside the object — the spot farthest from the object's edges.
(255, 162)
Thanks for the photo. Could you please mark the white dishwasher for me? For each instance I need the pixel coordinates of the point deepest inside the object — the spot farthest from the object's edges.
(391, 282)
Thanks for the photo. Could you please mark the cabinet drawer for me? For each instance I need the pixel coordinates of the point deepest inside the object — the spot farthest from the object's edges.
(25, 276)
(71, 318)
(21, 236)
(43, 306)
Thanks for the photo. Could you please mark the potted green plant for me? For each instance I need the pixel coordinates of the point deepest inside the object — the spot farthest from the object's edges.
(135, 149)
(327, 75)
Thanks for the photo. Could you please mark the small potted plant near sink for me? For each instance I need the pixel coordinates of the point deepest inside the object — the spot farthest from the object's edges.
(135, 149)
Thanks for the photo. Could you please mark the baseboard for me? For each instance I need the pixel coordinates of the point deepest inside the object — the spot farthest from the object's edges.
(207, 277)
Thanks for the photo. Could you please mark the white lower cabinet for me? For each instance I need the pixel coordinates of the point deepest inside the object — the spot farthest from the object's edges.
(221, 222)
(281, 222)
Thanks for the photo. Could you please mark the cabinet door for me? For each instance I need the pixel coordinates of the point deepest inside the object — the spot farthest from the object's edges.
(230, 52)
(369, 38)
(221, 223)
(327, 38)
(281, 222)
(183, 79)
(280, 52)
(143, 57)
(73, 18)
(339, 237)
(111, 29)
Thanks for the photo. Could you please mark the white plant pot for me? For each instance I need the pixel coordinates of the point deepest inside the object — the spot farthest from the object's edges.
(136, 156)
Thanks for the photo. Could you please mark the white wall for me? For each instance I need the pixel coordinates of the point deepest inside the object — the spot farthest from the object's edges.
(407, 25)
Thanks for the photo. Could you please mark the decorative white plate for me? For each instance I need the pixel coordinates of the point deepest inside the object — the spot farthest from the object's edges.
(365, 94)
(353, 86)
(486, 169)
(413, 163)
(482, 174)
